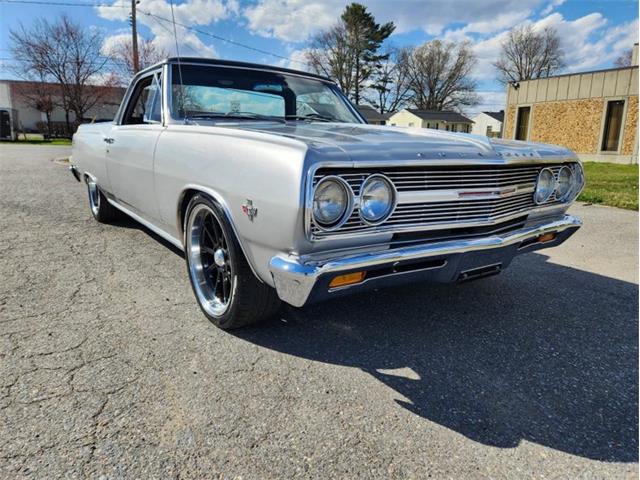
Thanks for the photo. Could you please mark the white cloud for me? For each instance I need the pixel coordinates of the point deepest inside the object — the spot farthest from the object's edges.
(191, 13)
(291, 20)
(297, 20)
(490, 101)
(553, 4)
(588, 42)
(297, 60)
(433, 17)
(502, 21)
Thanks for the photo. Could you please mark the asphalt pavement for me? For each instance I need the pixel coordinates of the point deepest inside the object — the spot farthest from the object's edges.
(109, 370)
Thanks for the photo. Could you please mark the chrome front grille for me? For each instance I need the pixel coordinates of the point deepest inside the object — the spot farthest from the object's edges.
(449, 209)
(469, 211)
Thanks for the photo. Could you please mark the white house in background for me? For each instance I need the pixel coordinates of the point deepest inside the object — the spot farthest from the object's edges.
(436, 119)
(371, 115)
(488, 123)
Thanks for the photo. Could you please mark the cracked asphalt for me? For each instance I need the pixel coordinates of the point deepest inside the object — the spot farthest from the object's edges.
(109, 370)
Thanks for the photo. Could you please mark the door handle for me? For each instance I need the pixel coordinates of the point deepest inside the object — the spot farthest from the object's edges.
(108, 140)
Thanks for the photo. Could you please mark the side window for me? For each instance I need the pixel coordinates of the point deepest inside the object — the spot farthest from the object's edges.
(145, 104)
(153, 109)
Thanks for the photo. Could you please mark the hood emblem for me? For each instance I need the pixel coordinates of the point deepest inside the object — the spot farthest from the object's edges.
(249, 210)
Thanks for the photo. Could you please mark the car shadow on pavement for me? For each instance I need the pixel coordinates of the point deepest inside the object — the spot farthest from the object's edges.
(128, 222)
(542, 353)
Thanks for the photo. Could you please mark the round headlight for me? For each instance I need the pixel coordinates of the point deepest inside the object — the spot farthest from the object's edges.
(578, 179)
(377, 199)
(565, 184)
(545, 185)
(331, 198)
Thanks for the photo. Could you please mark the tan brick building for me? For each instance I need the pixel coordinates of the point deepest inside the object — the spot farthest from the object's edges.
(593, 113)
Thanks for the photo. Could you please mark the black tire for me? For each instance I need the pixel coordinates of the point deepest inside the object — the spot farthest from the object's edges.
(242, 299)
(100, 207)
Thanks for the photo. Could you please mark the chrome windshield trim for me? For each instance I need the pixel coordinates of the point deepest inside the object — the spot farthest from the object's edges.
(331, 84)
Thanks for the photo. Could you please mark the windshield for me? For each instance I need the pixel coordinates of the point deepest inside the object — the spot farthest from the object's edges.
(220, 92)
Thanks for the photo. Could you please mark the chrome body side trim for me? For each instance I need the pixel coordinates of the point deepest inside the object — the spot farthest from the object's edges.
(158, 231)
(295, 277)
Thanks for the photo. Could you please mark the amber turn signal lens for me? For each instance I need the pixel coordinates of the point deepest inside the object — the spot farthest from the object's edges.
(348, 279)
(547, 237)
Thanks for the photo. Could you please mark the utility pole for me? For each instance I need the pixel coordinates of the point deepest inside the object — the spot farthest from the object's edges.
(134, 37)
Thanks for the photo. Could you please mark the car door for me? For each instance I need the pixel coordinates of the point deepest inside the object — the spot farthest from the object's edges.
(131, 146)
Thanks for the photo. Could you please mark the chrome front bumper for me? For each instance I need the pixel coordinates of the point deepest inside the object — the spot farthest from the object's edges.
(299, 278)
(75, 172)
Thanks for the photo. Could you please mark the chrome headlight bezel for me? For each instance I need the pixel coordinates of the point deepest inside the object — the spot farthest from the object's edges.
(579, 180)
(571, 186)
(347, 209)
(552, 187)
(393, 199)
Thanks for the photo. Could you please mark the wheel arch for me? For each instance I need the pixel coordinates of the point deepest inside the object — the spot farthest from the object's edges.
(86, 176)
(185, 197)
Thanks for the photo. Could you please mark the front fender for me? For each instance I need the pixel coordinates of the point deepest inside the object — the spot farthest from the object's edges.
(193, 189)
(233, 168)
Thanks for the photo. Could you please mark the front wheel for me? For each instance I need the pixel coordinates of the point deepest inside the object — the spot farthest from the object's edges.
(228, 292)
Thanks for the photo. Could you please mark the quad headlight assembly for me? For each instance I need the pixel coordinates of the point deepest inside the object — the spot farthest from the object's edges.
(334, 201)
(563, 186)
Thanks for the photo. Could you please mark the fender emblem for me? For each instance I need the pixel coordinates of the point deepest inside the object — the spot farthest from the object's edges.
(249, 210)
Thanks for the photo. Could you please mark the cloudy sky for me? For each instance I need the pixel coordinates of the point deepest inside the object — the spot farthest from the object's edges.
(593, 33)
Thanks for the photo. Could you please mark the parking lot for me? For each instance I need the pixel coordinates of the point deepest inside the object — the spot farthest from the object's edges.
(109, 370)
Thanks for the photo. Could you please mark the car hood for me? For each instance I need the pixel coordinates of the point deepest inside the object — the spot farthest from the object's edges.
(361, 142)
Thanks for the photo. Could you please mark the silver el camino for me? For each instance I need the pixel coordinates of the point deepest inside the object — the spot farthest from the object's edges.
(277, 189)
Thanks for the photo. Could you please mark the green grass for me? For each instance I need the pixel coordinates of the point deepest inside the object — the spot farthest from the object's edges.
(40, 141)
(611, 184)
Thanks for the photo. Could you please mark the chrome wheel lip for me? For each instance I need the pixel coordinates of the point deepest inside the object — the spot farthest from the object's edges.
(94, 197)
(205, 288)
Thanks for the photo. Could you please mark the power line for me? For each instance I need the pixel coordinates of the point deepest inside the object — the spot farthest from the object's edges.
(157, 17)
(72, 62)
(222, 39)
(63, 4)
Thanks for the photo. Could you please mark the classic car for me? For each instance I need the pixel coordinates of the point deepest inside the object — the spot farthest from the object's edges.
(276, 189)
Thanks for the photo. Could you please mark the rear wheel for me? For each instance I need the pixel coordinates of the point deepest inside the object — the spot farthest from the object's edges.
(101, 209)
(227, 291)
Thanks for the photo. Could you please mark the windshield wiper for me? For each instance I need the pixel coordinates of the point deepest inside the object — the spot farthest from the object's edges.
(311, 117)
(234, 115)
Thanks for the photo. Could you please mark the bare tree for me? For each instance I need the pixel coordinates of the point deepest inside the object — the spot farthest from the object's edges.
(329, 55)
(69, 55)
(624, 60)
(439, 75)
(528, 53)
(390, 88)
(37, 93)
(348, 51)
(122, 55)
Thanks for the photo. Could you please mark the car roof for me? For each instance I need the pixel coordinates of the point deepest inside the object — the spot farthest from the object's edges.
(231, 63)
